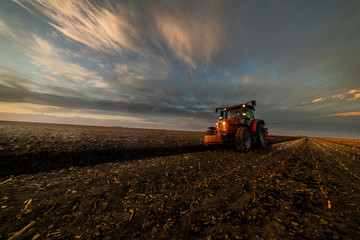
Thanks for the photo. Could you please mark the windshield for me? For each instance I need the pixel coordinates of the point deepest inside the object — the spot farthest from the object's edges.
(234, 114)
(239, 114)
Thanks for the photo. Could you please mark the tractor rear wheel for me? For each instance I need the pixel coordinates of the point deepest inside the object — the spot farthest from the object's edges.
(243, 139)
(261, 137)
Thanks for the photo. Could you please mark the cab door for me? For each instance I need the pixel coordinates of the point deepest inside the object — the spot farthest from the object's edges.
(249, 116)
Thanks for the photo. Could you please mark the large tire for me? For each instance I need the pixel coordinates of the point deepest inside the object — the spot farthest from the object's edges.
(243, 139)
(261, 136)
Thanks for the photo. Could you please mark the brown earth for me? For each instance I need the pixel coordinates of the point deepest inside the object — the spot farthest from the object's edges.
(81, 182)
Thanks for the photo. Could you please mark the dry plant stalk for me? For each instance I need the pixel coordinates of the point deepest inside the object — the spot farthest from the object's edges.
(175, 195)
(19, 233)
(28, 204)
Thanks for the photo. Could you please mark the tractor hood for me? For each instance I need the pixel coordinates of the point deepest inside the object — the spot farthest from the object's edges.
(227, 125)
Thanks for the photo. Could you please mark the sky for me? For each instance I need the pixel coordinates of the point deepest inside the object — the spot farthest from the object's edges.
(169, 64)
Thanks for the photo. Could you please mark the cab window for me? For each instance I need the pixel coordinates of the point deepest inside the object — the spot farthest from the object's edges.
(249, 113)
(233, 114)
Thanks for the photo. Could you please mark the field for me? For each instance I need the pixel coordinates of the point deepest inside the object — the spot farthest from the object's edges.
(82, 182)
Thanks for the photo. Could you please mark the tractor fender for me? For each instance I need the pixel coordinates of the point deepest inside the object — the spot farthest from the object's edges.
(255, 125)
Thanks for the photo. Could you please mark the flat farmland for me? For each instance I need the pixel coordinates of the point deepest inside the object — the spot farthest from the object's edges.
(83, 182)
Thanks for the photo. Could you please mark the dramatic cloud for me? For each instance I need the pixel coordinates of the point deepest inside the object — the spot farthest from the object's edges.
(115, 27)
(89, 24)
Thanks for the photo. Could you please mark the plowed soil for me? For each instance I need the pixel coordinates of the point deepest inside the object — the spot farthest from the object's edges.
(81, 182)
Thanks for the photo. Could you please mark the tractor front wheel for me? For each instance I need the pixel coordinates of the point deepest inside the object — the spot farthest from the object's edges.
(243, 139)
(261, 136)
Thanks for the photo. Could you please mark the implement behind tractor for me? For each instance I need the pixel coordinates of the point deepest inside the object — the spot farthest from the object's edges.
(238, 126)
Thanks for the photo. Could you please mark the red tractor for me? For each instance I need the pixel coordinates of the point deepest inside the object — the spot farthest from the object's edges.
(238, 126)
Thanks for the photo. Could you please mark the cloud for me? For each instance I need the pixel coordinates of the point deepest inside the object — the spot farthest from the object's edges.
(347, 114)
(140, 75)
(146, 29)
(340, 96)
(5, 30)
(91, 25)
(356, 96)
(247, 80)
(55, 111)
(143, 68)
(193, 39)
(22, 5)
(355, 92)
(318, 100)
(55, 65)
(129, 106)
(352, 91)
(13, 79)
(181, 59)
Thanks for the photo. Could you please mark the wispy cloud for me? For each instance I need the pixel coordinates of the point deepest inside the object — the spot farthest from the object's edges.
(91, 25)
(193, 39)
(45, 56)
(355, 97)
(339, 96)
(318, 100)
(5, 30)
(347, 114)
(141, 75)
(350, 95)
(354, 92)
(146, 30)
(62, 112)
(247, 80)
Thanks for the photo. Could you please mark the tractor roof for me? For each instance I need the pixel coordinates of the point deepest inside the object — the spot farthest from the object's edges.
(239, 107)
(250, 104)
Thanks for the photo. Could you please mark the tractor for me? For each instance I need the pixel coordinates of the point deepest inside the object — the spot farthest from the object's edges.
(237, 126)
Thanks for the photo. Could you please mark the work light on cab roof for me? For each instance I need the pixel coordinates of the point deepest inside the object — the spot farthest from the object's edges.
(238, 126)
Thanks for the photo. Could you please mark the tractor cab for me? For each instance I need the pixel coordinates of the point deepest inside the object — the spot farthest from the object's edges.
(243, 114)
(237, 125)
(233, 116)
